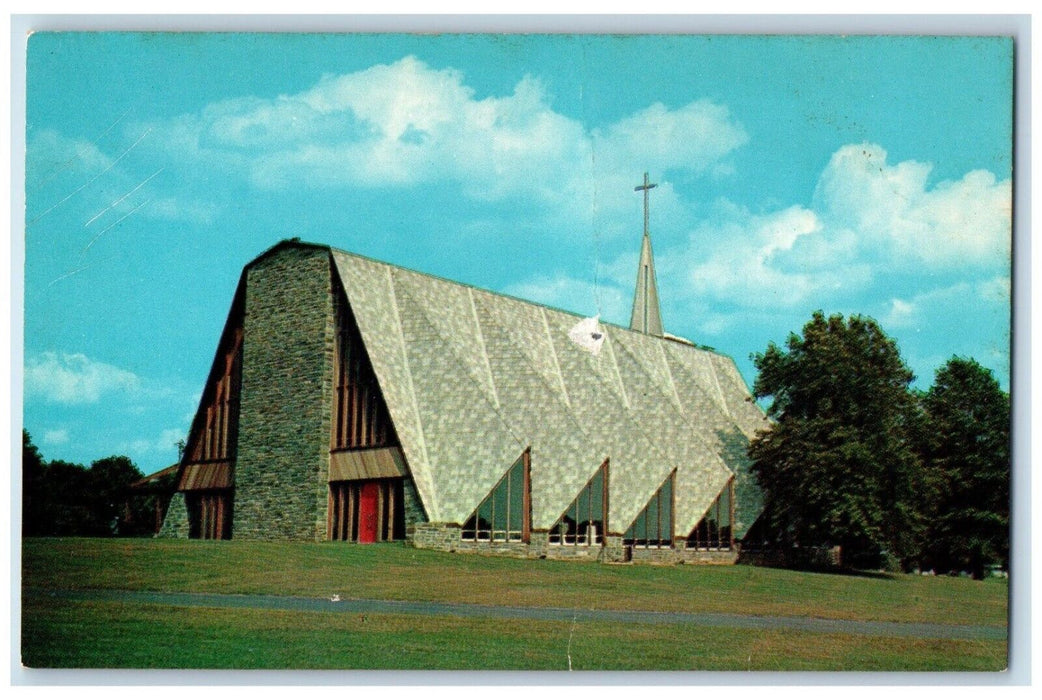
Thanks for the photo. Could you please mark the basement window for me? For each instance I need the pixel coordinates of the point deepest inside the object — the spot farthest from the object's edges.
(503, 516)
(586, 519)
(653, 526)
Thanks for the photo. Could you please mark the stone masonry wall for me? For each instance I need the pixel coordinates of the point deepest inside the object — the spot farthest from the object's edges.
(412, 505)
(281, 471)
(175, 524)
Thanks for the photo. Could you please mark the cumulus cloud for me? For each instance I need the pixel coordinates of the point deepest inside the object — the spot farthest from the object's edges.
(901, 314)
(696, 136)
(102, 188)
(74, 378)
(781, 259)
(891, 209)
(406, 123)
(870, 223)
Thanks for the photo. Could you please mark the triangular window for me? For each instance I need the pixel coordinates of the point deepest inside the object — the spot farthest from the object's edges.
(586, 520)
(653, 527)
(503, 516)
(714, 530)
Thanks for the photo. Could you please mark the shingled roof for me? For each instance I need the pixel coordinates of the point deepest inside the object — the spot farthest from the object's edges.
(472, 378)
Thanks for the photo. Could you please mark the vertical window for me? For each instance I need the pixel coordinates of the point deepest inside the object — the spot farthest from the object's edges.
(653, 526)
(586, 519)
(714, 530)
(503, 515)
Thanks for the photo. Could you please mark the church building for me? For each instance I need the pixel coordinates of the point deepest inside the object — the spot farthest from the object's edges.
(352, 400)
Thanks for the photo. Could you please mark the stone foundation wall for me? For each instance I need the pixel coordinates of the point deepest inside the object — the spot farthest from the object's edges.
(446, 538)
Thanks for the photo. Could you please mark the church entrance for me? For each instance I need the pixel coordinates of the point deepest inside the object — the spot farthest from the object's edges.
(366, 511)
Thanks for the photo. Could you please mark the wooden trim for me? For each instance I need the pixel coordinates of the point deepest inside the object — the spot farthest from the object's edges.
(388, 496)
(672, 505)
(203, 476)
(526, 504)
(730, 517)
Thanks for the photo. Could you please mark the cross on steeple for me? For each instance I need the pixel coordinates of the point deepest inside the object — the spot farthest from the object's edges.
(646, 317)
(646, 186)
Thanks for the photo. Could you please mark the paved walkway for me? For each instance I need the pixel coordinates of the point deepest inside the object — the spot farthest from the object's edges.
(922, 630)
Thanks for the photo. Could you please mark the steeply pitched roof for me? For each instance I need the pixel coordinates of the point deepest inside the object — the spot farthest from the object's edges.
(472, 378)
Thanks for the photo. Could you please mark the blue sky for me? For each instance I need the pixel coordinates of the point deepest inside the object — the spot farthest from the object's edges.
(854, 175)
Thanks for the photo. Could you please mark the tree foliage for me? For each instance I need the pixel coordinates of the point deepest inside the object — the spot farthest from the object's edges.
(839, 466)
(966, 455)
(61, 498)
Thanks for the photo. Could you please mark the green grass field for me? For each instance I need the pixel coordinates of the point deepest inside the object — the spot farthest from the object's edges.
(99, 634)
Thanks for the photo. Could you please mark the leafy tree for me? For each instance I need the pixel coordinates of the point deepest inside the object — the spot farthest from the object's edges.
(61, 498)
(838, 466)
(58, 504)
(967, 458)
(108, 487)
(33, 476)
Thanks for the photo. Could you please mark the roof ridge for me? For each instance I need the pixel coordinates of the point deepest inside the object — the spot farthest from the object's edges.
(505, 295)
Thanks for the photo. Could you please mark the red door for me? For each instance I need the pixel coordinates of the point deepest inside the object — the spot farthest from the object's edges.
(368, 509)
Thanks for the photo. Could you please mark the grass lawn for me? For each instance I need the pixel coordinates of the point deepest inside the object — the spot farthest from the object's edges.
(96, 634)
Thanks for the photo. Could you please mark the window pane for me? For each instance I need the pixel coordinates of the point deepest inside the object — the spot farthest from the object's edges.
(499, 507)
(653, 525)
(484, 518)
(666, 505)
(582, 511)
(597, 500)
(517, 496)
(469, 528)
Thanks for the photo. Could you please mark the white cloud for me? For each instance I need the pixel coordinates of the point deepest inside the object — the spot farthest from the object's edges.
(868, 221)
(901, 314)
(964, 223)
(59, 436)
(171, 436)
(52, 156)
(74, 378)
(406, 123)
(760, 260)
(696, 136)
